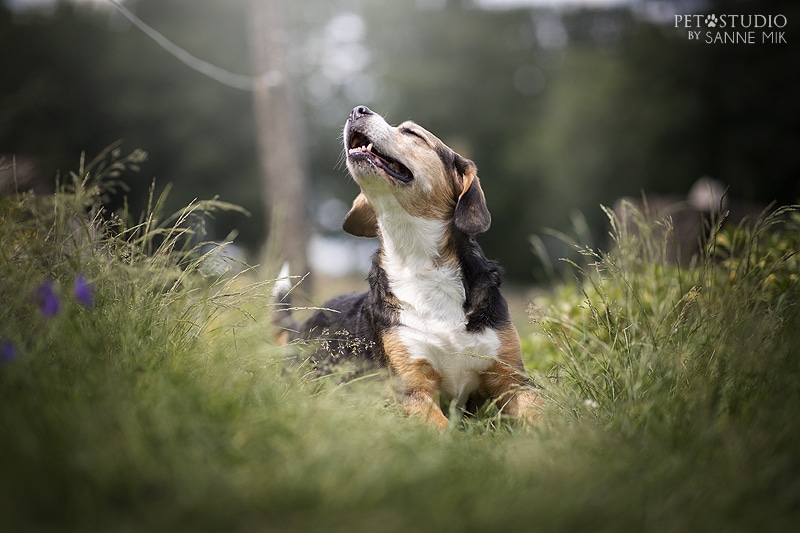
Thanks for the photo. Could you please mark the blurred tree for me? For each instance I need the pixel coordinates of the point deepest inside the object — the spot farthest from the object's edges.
(283, 173)
(80, 79)
(654, 112)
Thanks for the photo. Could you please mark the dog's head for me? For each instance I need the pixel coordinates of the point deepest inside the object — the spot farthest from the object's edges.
(408, 166)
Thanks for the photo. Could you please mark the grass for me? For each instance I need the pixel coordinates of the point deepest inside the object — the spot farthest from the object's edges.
(159, 402)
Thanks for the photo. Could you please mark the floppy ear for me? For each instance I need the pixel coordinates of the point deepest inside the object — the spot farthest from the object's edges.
(361, 220)
(471, 214)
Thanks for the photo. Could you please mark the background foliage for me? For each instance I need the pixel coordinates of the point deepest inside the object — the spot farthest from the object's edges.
(562, 110)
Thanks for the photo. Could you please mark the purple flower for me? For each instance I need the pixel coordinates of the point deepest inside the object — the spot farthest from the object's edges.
(83, 291)
(8, 352)
(49, 304)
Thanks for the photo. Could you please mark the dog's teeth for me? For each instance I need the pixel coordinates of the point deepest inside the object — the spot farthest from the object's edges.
(360, 149)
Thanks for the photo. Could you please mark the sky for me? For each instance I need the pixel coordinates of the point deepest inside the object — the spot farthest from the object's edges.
(496, 4)
(44, 4)
(551, 3)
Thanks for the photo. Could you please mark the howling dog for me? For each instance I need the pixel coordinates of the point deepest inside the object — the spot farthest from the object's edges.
(433, 313)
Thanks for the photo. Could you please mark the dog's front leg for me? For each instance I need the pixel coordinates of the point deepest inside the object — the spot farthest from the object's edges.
(420, 403)
(419, 384)
(512, 391)
(506, 382)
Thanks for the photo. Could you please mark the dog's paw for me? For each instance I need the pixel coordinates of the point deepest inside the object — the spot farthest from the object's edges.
(711, 21)
(529, 405)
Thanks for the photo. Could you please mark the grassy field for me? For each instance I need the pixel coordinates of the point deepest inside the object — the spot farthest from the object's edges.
(138, 392)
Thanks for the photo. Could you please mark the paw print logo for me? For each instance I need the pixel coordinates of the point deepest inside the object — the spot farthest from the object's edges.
(711, 21)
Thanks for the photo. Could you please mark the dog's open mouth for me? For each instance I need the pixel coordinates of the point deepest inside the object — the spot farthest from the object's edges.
(361, 147)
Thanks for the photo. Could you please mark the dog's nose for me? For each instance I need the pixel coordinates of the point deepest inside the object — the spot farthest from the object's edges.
(360, 111)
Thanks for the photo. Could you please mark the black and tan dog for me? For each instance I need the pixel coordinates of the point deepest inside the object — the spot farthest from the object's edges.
(433, 313)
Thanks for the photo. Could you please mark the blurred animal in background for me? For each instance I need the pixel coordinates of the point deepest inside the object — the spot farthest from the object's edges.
(684, 223)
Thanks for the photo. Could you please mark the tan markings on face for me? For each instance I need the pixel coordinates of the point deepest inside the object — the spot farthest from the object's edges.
(432, 194)
(419, 381)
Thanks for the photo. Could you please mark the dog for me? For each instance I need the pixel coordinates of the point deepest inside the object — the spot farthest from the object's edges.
(433, 313)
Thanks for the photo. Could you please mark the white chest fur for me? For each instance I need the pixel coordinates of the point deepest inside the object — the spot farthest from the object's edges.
(431, 296)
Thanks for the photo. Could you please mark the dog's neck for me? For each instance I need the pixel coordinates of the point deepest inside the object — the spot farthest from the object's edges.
(414, 243)
(423, 271)
(409, 241)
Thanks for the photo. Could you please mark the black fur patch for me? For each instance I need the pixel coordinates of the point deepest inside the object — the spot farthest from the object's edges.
(485, 307)
(448, 157)
(349, 326)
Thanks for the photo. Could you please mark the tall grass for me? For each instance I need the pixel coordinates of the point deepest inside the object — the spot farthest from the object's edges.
(696, 367)
(153, 399)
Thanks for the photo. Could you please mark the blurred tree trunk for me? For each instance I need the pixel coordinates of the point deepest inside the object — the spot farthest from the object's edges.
(277, 121)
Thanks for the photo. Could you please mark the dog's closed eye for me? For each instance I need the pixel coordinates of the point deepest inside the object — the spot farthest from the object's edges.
(409, 131)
